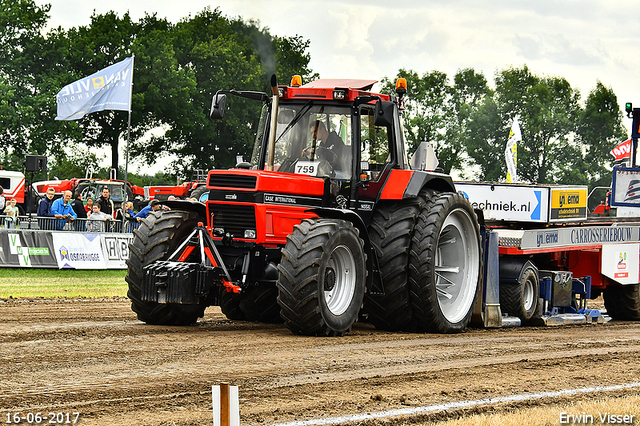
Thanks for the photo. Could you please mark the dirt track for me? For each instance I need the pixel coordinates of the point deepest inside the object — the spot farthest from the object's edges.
(95, 358)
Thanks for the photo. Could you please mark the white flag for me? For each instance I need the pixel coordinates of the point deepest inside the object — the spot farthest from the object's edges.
(109, 88)
(511, 151)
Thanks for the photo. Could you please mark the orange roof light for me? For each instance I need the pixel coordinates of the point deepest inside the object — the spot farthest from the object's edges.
(296, 81)
(401, 86)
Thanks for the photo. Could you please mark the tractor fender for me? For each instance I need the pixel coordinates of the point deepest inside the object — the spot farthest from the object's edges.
(359, 224)
(407, 184)
(428, 180)
(189, 206)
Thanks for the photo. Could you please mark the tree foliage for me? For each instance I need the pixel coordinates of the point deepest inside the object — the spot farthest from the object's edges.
(177, 69)
(468, 123)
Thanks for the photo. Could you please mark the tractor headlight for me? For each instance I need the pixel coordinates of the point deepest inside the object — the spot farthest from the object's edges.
(250, 234)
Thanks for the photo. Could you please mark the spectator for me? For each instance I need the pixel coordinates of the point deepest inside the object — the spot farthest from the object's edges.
(106, 203)
(12, 214)
(44, 210)
(62, 210)
(89, 205)
(153, 205)
(97, 219)
(81, 213)
(123, 221)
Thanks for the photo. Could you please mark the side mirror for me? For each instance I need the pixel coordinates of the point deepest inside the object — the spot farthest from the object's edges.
(384, 113)
(217, 106)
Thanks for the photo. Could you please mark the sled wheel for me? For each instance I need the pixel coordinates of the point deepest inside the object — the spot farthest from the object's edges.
(230, 305)
(322, 277)
(520, 298)
(623, 303)
(445, 264)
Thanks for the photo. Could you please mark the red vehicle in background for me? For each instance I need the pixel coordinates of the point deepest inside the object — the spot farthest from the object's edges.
(13, 185)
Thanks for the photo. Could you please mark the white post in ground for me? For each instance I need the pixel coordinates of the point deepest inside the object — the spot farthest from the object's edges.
(226, 405)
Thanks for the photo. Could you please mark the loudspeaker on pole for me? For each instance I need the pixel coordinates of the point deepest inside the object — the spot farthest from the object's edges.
(35, 163)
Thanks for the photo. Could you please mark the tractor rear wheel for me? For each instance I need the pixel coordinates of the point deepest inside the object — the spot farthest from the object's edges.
(445, 264)
(155, 239)
(623, 303)
(390, 233)
(322, 277)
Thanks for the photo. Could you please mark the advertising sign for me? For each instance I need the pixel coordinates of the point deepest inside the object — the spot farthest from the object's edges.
(508, 202)
(78, 251)
(30, 249)
(568, 204)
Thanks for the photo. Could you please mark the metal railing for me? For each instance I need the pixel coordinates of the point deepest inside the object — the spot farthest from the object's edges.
(77, 225)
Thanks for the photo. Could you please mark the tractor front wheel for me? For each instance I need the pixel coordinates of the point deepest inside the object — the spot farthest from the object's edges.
(322, 277)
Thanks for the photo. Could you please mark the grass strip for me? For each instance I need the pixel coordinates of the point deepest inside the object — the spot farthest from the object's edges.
(20, 283)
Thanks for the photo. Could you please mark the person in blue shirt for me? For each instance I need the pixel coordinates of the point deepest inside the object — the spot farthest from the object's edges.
(154, 205)
(63, 210)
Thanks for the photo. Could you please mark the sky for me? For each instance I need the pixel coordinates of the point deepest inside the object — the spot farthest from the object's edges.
(583, 41)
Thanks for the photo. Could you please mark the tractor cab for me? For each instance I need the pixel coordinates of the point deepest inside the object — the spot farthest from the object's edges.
(331, 129)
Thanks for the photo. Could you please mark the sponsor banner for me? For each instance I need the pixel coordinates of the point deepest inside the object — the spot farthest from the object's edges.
(568, 204)
(63, 250)
(91, 251)
(115, 249)
(579, 236)
(108, 89)
(78, 251)
(513, 203)
(622, 151)
(27, 249)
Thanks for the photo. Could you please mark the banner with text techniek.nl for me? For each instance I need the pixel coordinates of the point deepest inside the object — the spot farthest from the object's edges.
(108, 89)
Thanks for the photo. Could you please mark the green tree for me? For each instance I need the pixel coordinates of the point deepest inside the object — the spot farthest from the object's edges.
(548, 108)
(485, 140)
(21, 22)
(599, 130)
(428, 113)
(225, 53)
(468, 95)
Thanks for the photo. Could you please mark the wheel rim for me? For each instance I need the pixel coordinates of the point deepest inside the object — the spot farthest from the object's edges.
(457, 258)
(528, 297)
(340, 280)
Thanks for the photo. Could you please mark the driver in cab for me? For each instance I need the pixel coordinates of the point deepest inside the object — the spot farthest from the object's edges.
(331, 147)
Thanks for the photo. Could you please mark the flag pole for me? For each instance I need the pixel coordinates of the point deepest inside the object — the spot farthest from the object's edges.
(126, 161)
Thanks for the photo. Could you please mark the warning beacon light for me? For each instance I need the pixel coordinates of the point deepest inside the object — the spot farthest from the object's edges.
(296, 81)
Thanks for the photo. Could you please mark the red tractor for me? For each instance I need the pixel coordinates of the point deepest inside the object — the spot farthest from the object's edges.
(327, 222)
